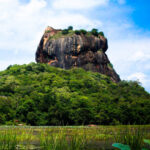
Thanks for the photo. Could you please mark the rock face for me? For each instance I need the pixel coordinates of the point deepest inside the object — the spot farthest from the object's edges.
(67, 51)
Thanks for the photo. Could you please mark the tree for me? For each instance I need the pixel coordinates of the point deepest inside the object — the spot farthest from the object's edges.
(101, 33)
(65, 31)
(83, 31)
(94, 32)
(70, 28)
(77, 32)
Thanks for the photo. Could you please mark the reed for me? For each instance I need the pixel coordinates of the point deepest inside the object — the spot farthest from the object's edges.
(8, 140)
(134, 137)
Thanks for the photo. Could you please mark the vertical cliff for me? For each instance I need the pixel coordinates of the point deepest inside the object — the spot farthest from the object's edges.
(75, 50)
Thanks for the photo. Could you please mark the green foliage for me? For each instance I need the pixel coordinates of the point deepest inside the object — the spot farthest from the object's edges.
(132, 137)
(83, 31)
(38, 94)
(127, 147)
(110, 65)
(70, 28)
(94, 32)
(77, 32)
(147, 141)
(48, 31)
(65, 31)
(8, 140)
(121, 146)
(101, 33)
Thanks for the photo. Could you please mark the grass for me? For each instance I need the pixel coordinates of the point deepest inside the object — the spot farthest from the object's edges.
(70, 33)
(8, 140)
(72, 137)
(59, 34)
(134, 137)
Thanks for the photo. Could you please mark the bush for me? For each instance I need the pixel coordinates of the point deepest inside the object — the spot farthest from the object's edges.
(65, 31)
(94, 32)
(70, 28)
(48, 31)
(101, 33)
(83, 31)
(77, 32)
(45, 95)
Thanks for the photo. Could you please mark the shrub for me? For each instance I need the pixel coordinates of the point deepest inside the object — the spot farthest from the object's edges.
(94, 32)
(101, 33)
(70, 28)
(83, 31)
(77, 32)
(110, 65)
(65, 31)
(48, 31)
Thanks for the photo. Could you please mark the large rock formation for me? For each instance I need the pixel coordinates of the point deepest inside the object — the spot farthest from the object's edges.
(71, 50)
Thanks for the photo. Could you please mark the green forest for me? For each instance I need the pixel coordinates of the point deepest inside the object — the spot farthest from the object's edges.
(38, 94)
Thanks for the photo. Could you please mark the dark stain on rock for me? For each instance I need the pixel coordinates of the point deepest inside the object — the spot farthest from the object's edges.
(83, 51)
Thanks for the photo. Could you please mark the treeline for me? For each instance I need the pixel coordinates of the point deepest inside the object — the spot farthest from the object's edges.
(37, 94)
(94, 31)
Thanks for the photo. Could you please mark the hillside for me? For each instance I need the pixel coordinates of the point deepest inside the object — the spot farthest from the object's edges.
(39, 94)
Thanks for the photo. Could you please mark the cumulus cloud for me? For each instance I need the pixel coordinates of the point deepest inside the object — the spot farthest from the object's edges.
(130, 49)
(19, 27)
(131, 58)
(22, 25)
(78, 4)
(141, 77)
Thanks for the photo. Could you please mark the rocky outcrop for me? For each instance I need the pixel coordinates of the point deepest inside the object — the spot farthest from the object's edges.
(67, 51)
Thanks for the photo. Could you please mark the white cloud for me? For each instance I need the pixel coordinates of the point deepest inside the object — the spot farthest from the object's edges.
(5, 63)
(141, 77)
(130, 49)
(78, 4)
(22, 25)
(137, 76)
(131, 58)
(19, 24)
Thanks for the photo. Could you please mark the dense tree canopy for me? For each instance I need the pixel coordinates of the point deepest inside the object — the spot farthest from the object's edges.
(38, 94)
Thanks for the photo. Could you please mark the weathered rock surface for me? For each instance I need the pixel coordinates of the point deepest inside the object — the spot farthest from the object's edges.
(74, 50)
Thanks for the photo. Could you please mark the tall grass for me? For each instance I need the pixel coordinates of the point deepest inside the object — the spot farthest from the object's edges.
(72, 138)
(8, 140)
(134, 137)
(59, 141)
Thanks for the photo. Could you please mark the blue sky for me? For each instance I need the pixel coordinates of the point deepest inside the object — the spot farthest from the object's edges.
(140, 14)
(126, 24)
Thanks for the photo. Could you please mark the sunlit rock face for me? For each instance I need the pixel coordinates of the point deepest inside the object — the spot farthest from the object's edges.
(67, 51)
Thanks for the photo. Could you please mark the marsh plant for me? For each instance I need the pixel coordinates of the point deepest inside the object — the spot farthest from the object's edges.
(74, 137)
(59, 141)
(130, 138)
(8, 140)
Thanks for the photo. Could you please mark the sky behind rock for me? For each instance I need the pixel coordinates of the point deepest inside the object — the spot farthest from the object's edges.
(125, 23)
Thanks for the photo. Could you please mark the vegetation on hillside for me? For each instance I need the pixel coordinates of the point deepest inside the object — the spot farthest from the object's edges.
(69, 32)
(38, 94)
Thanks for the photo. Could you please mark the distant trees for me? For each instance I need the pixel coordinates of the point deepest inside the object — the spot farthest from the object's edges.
(82, 31)
(77, 32)
(94, 32)
(101, 33)
(38, 94)
(70, 28)
(65, 31)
